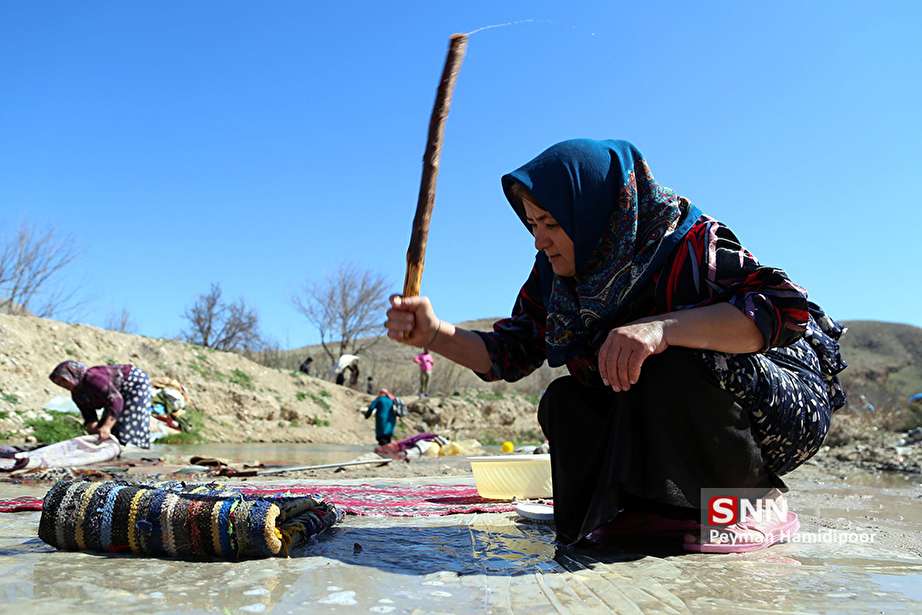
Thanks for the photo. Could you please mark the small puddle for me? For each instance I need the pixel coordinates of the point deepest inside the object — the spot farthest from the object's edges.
(908, 585)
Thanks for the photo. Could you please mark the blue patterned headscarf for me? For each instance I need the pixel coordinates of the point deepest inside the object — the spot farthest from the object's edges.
(623, 226)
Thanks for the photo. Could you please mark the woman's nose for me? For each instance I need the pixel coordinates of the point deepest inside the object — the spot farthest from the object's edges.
(542, 241)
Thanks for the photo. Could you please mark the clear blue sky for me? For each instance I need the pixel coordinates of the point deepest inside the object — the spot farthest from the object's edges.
(260, 144)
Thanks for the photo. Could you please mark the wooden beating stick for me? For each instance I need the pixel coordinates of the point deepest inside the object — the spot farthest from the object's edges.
(416, 253)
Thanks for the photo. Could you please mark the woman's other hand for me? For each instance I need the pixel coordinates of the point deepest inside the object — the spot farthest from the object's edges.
(411, 320)
(626, 348)
(92, 427)
(105, 428)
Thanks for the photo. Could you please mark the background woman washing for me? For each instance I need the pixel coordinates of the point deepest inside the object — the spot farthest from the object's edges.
(122, 392)
(692, 365)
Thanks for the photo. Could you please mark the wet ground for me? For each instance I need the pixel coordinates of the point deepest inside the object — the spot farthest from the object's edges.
(293, 454)
(283, 454)
(493, 563)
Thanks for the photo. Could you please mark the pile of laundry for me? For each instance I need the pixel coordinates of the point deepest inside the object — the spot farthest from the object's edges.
(428, 445)
(168, 407)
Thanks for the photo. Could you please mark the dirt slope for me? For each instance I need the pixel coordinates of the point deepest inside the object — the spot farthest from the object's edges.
(242, 401)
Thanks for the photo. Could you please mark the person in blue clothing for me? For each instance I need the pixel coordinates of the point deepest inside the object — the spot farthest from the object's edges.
(385, 417)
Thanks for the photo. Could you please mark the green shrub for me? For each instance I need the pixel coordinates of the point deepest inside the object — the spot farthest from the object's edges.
(181, 438)
(531, 436)
(192, 423)
(241, 378)
(61, 426)
(206, 371)
(8, 397)
(314, 397)
(490, 440)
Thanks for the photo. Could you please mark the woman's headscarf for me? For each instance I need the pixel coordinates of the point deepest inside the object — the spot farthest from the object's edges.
(623, 226)
(68, 371)
(385, 393)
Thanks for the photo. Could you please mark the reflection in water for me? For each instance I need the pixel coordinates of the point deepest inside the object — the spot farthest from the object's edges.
(506, 550)
(515, 549)
(909, 585)
(124, 582)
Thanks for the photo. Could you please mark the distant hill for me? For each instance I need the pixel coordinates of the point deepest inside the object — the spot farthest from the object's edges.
(885, 364)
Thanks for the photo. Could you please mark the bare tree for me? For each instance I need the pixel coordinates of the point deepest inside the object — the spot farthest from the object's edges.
(28, 264)
(347, 309)
(214, 323)
(121, 322)
(270, 353)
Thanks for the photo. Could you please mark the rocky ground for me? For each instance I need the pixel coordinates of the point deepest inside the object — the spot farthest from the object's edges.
(856, 441)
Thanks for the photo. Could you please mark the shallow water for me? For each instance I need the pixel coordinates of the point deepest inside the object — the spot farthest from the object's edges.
(491, 562)
(286, 454)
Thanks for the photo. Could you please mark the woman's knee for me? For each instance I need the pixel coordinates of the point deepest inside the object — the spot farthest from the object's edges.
(672, 364)
(555, 396)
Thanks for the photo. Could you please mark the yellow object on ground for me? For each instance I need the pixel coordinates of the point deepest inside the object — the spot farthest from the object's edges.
(433, 450)
(507, 447)
(461, 447)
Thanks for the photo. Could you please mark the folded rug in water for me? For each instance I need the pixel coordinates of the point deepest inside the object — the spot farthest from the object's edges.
(171, 519)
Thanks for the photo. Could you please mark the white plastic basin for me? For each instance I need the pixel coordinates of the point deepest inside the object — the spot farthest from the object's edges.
(504, 477)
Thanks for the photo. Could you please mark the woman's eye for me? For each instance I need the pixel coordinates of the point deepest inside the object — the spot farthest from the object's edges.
(550, 225)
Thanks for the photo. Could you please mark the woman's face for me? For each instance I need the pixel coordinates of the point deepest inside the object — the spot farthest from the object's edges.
(63, 381)
(551, 239)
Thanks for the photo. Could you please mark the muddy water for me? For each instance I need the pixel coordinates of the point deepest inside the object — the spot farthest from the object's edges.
(476, 563)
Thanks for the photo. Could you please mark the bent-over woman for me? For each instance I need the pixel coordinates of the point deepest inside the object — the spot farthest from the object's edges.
(122, 392)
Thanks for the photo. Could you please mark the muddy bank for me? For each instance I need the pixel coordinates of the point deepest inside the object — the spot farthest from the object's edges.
(888, 457)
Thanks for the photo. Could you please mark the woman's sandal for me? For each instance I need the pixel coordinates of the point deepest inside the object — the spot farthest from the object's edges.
(745, 536)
